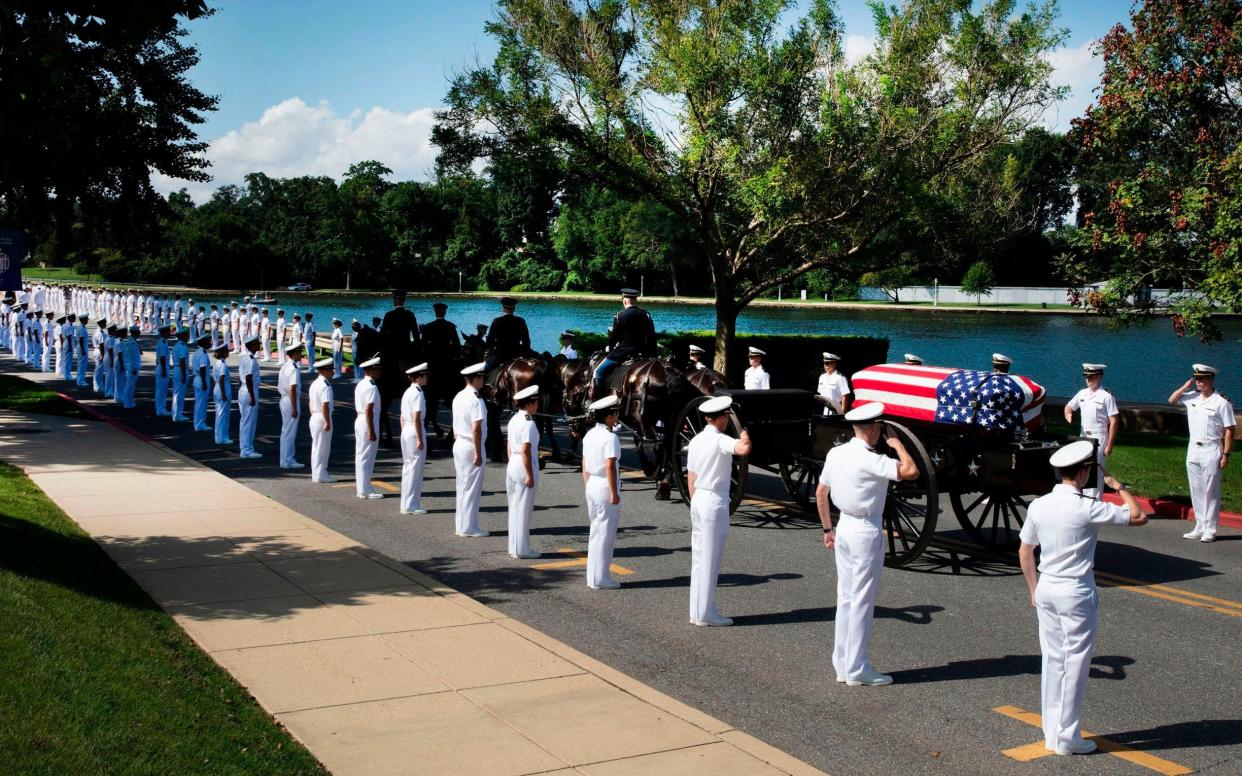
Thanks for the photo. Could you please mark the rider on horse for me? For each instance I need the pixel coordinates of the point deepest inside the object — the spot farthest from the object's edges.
(508, 337)
(633, 335)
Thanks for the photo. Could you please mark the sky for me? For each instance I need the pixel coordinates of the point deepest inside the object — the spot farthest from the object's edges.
(312, 86)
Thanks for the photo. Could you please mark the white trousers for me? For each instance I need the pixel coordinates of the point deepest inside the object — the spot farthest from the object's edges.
(860, 558)
(64, 364)
(1203, 471)
(288, 432)
(222, 404)
(200, 407)
(1069, 612)
(469, 486)
(1100, 460)
(365, 449)
(45, 360)
(521, 504)
(97, 378)
(81, 370)
(246, 425)
(131, 389)
(604, 518)
(178, 406)
(412, 462)
(280, 349)
(338, 363)
(161, 394)
(321, 447)
(265, 348)
(709, 528)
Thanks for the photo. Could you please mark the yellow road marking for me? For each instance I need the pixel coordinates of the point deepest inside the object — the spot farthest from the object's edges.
(1116, 580)
(579, 560)
(1037, 750)
(388, 486)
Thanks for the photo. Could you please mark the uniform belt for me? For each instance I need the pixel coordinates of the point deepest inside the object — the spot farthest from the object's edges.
(1206, 444)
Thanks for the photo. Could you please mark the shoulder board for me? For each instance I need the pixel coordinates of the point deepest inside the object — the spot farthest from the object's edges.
(476, 394)
(527, 415)
(1085, 496)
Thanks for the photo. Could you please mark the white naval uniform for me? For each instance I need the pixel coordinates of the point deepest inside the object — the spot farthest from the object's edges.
(249, 415)
(308, 335)
(857, 478)
(413, 458)
(290, 377)
(200, 364)
(265, 338)
(180, 354)
(280, 339)
(365, 448)
(133, 364)
(81, 342)
(222, 401)
(161, 376)
(521, 430)
(1065, 525)
(45, 343)
(1207, 418)
(1096, 408)
(599, 445)
(757, 378)
(710, 457)
(833, 387)
(64, 356)
(468, 408)
(569, 352)
(338, 352)
(97, 344)
(320, 393)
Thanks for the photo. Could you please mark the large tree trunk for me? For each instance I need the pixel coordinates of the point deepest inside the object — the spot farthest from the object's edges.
(726, 328)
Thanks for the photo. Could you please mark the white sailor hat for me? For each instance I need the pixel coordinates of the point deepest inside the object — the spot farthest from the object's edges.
(866, 413)
(567, 333)
(370, 362)
(913, 359)
(1093, 369)
(526, 393)
(1203, 370)
(475, 369)
(753, 351)
(1001, 358)
(252, 338)
(417, 369)
(697, 349)
(323, 362)
(716, 405)
(610, 400)
(831, 356)
(1074, 452)
(336, 321)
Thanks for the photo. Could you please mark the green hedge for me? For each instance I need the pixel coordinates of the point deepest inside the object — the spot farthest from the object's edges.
(793, 360)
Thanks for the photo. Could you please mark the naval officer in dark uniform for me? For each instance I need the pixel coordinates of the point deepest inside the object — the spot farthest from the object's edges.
(398, 344)
(633, 335)
(442, 349)
(507, 337)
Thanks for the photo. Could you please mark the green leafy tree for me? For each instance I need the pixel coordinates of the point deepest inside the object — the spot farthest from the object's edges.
(979, 280)
(1162, 165)
(778, 156)
(890, 280)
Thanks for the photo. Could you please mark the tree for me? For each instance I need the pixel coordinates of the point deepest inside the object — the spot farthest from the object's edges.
(890, 280)
(1162, 165)
(778, 156)
(979, 280)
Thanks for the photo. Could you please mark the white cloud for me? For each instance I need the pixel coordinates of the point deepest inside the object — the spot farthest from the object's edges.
(857, 47)
(293, 138)
(1078, 68)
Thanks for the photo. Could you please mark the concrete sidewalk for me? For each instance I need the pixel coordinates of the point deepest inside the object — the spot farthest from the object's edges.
(374, 666)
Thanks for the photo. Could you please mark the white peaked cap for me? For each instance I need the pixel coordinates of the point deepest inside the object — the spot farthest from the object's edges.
(866, 412)
(370, 363)
(912, 357)
(475, 369)
(1092, 368)
(831, 356)
(1204, 369)
(1074, 452)
(697, 349)
(716, 404)
(417, 368)
(526, 393)
(321, 363)
(610, 400)
(755, 352)
(1001, 358)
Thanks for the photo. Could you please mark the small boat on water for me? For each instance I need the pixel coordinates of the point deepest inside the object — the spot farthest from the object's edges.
(265, 299)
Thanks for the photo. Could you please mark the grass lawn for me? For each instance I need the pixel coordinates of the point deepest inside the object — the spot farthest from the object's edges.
(96, 678)
(19, 394)
(61, 274)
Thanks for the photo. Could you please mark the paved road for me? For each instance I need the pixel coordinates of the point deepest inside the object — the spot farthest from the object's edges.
(957, 632)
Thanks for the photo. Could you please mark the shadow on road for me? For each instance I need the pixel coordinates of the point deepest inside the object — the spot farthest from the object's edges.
(1183, 735)
(1102, 667)
(915, 615)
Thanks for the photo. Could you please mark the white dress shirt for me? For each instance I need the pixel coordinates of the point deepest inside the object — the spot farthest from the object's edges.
(598, 446)
(467, 408)
(710, 457)
(858, 478)
(1065, 525)
(1096, 408)
(756, 379)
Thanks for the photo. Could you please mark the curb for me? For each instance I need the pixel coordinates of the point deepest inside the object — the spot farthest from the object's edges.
(1165, 508)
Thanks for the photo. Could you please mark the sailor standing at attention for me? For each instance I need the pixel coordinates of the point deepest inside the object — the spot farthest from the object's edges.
(338, 349)
(1098, 420)
(1065, 525)
(601, 477)
(120, 365)
(413, 440)
(367, 427)
(321, 397)
(81, 344)
(308, 336)
(295, 334)
(200, 370)
(62, 359)
(97, 353)
(248, 399)
(162, 372)
(289, 384)
(709, 466)
(469, 434)
(181, 373)
(1210, 418)
(857, 477)
(522, 471)
(281, 323)
(834, 387)
(222, 394)
(265, 336)
(756, 378)
(133, 365)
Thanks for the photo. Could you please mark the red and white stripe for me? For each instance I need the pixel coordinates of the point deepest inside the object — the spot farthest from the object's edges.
(910, 391)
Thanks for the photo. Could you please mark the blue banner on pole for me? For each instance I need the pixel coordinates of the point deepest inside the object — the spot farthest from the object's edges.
(11, 250)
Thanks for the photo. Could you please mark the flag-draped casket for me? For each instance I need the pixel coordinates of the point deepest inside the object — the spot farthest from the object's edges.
(963, 397)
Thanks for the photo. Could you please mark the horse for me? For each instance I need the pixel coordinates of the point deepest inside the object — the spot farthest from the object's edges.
(509, 377)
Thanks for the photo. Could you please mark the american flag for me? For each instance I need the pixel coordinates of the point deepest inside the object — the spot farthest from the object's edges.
(957, 396)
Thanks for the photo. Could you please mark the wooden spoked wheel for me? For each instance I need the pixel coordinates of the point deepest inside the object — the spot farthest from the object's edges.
(690, 423)
(800, 478)
(912, 506)
(993, 518)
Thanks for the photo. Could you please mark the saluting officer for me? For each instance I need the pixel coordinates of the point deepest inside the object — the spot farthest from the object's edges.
(857, 477)
(222, 394)
(320, 398)
(413, 441)
(367, 427)
(756, 377)
(289, 384)
(200, 367)
(601, 476)
(631, 335)
(1210, 418)
(522, 471)
(1098, 420)
(508, 336)
(709, 464)
(469, 433)
(1065, 525)
(1001, 363)
(248, 398)
(833, 386)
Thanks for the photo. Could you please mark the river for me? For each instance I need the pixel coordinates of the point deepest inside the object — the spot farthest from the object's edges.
(1145, 363)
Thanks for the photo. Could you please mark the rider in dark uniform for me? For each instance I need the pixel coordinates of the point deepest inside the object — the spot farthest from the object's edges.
(441, 348)
(632, 335)
(398, 335)
(507, 337)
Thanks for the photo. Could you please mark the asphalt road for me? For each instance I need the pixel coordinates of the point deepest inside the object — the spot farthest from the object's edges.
(956, 631)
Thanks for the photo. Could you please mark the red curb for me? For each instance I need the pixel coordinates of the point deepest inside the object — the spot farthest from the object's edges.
(1165, 508)
(107, 419)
